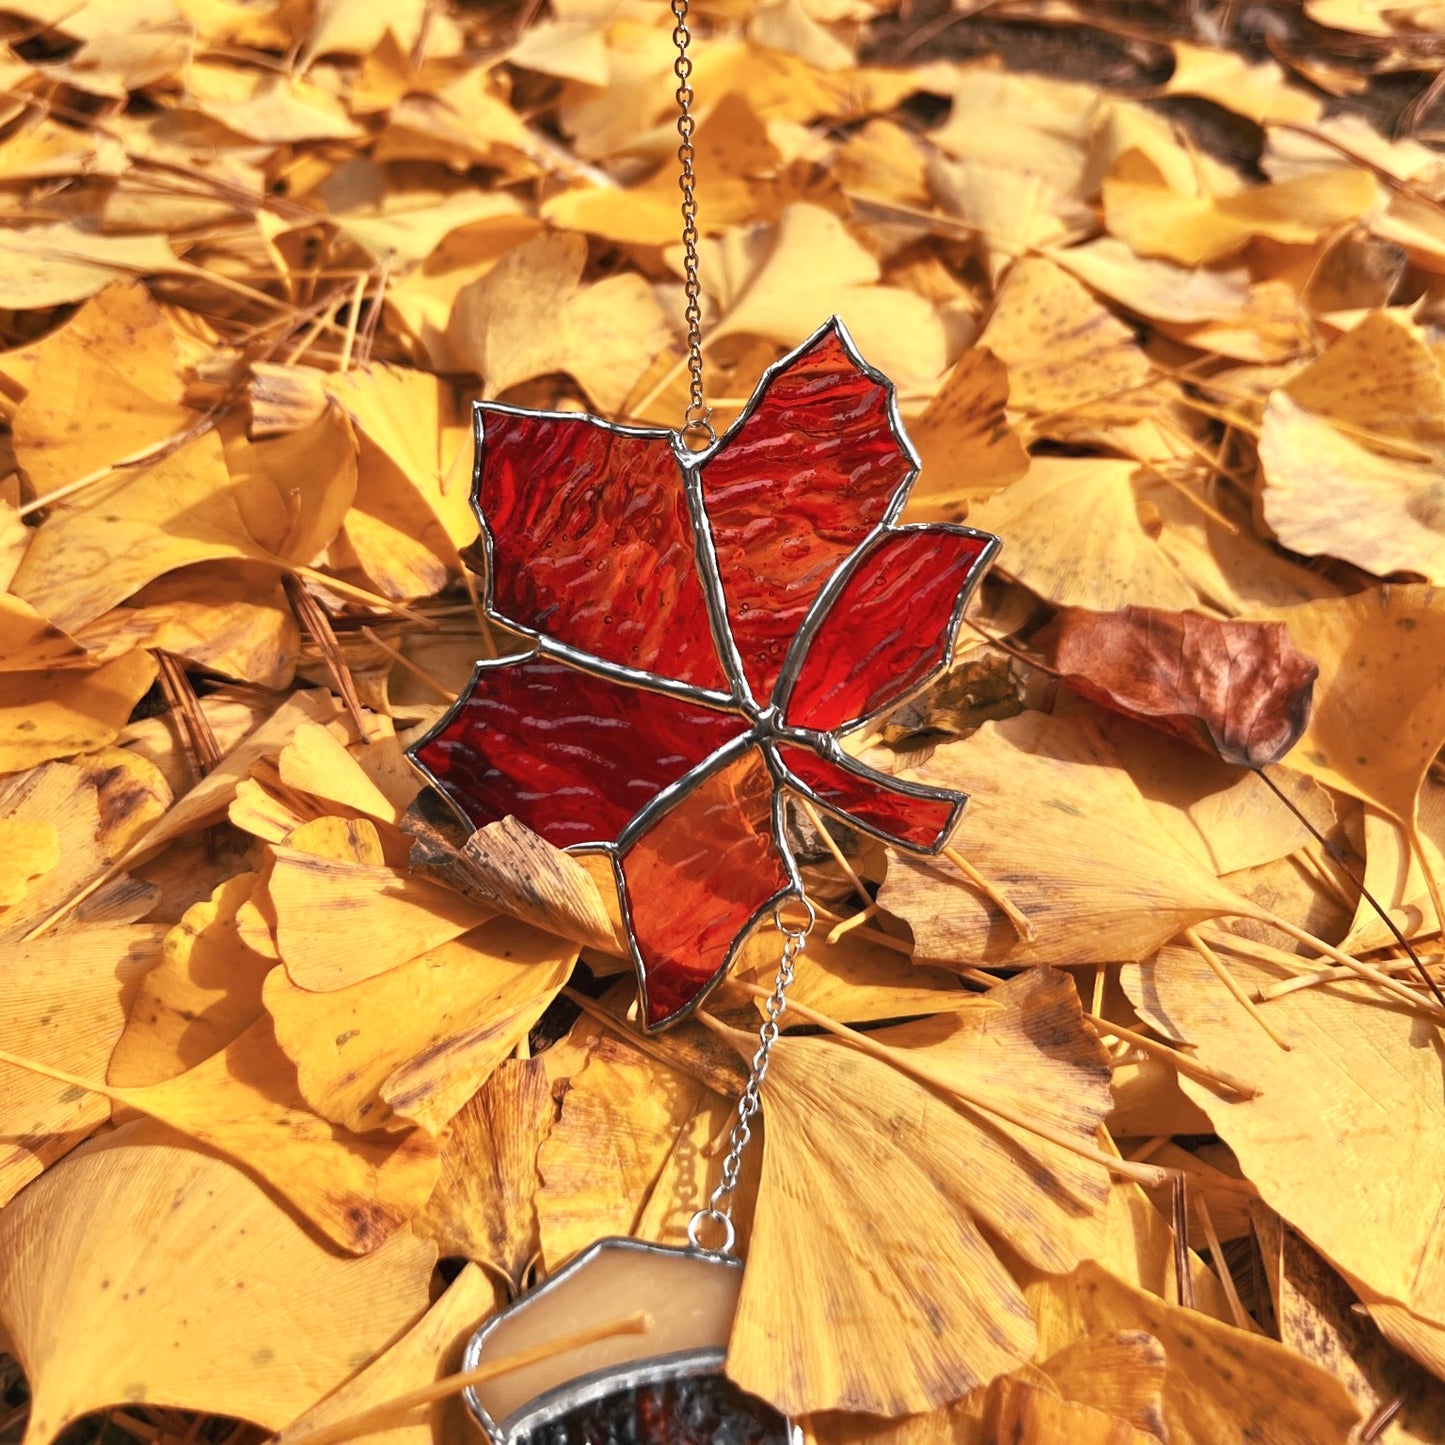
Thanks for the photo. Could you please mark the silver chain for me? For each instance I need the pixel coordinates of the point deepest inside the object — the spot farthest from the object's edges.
(697, 419)
(719, 1210)
(697, 423)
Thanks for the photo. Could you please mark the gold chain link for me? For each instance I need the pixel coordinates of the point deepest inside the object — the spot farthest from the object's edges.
(697, 419)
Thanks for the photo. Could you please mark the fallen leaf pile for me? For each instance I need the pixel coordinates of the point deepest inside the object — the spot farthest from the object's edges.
(1119, 1122)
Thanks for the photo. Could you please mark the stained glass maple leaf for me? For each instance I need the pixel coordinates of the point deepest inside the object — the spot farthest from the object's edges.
(706, 627)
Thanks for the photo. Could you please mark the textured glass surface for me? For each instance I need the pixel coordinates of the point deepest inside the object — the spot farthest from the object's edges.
(833, 611)
(919, 819)
(809, 475)
(696, 879)
(888, 629)
(573, 756)
(592, 545)
(696, 1410)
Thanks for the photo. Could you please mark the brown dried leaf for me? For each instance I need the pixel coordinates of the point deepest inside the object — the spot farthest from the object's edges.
(1237, 689)
(1317, 1319)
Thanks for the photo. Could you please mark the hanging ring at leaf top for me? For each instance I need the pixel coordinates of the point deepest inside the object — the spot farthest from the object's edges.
(698, 424)
(794, 933)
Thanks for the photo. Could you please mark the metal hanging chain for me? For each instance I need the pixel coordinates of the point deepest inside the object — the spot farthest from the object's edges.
(697, 420)
(719, 1209)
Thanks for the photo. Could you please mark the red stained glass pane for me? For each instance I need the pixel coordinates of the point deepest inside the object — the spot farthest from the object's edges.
(805, 479)
(697, 878)
(909, 814)
(890, 626)
(592, 544)
(572, 756)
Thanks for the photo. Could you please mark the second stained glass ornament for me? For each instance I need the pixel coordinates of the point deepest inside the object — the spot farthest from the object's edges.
(710, 619)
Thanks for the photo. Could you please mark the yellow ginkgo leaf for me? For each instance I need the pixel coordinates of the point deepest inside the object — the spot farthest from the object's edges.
(293, 491)
(266, 106)
(1257, 90)
(64, 1001)
(359, 1189)
(1029, 123)
(909, 1179)
(131, 793)
(735, 163)
(1352, 448)
(340, 922)
(1043, 793)
(57, 264)
(782, 282)
(1220, 1383)
(1378, 717)
(1328, 496)
(1141, 208)
(483, 1208)
(620, 1118)
(1075, 536)
(604, 334)
(205, 992)
(28, 642)
(230, 618)
(62, 797)
(208, 800)
(144, 1232)
(1070, 360)
(430, 1349)
(106, 386)
(1360, 1052)
(414, 419)
(420, 1039)
(316, 762)
(29, 849)
(969, 451)
(57, 714)
(105, 544)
